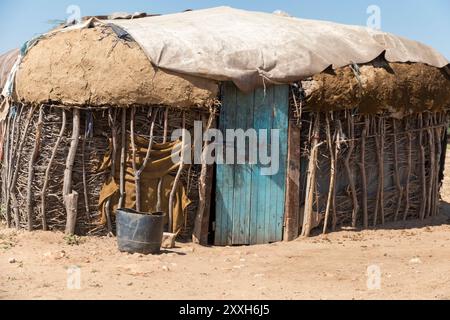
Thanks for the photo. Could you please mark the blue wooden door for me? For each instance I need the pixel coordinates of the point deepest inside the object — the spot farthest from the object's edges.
(249, 205)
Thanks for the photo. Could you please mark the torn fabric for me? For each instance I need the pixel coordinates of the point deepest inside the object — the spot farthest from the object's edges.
(160, 166)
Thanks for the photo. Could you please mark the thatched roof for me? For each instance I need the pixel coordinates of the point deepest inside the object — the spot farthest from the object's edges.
(7, 61)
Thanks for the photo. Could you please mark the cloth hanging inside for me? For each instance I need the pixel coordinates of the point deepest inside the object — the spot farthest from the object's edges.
(159, 166)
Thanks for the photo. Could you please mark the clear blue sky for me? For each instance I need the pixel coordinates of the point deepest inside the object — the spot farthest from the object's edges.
(423, 20)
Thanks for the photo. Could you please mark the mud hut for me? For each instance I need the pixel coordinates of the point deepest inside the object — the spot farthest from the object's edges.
(79, 144)
(361, 118)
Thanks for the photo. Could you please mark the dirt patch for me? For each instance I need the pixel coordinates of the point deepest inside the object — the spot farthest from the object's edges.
(412, 258)
(413, 263)
(94, 67)
(380, 86)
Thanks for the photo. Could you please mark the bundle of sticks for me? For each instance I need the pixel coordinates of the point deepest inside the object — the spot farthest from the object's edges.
(52, 157)
(363, 170)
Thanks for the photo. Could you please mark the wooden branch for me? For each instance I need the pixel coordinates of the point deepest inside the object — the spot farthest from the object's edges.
(362, 165)
(166, 124)
(71, 203)
(408, 176)
(83, 169)
(422, 171)
(123, 159)
(380, 173)
(49, 167)
(438, 140)
(133, 150)
(201, 224)
(11, 164)
(382, 141)
(12, 187)
(31, 166)
(431, 185)
(70, 196)
(178, 176)
(337, 138)
(396, 171)
(351, 131)
(332, 174)
(137, 178)
(5, 169)
(381, 167)
(311, 179)
(159, 191)
(112, 124)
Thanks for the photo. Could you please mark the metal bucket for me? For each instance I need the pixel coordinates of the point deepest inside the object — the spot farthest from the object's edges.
(139, 232)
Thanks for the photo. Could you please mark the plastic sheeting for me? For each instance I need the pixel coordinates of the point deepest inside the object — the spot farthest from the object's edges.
(7, 62)
(161, 166)
(245, 47)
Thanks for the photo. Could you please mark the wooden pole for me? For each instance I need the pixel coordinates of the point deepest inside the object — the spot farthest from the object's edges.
(31, 165)
(178, 176)
(396, 171)
(123, 158)
(83, 168)
(362, 165)
(337, 139)
(5, 169)
(201, 224)
(48, 169)
(11, 158)
(159, 194)
(12, 188)
(133, 151)
(432, 154)
(112, 124)
(380, 172)
(438, 140)
(408, 173)
(332, 174)
(69, 195)
(382, 141)
(137, 178)
(422, 170)
(311, 179)
(351, 132)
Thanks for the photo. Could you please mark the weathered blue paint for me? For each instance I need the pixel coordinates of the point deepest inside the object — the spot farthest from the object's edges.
(280, 121)
(242, 173)
(250, 206)
(225, 174)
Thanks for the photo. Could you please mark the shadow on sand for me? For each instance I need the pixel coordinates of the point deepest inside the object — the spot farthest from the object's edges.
(443, 218)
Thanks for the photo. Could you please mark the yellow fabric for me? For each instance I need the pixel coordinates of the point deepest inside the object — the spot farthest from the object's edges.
(159, 166)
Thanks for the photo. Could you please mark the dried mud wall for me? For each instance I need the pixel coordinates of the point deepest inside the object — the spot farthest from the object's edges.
(397, 87)
(95, 67)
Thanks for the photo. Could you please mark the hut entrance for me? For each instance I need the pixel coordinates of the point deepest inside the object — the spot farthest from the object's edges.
(250, 202)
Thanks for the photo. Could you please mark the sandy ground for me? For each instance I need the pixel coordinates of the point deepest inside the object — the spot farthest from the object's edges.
(411, 258)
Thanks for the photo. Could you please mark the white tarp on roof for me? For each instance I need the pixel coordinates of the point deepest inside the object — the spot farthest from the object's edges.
(229, 44)
(6, 64)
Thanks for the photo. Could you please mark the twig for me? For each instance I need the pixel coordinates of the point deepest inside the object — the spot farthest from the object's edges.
(49, 167)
